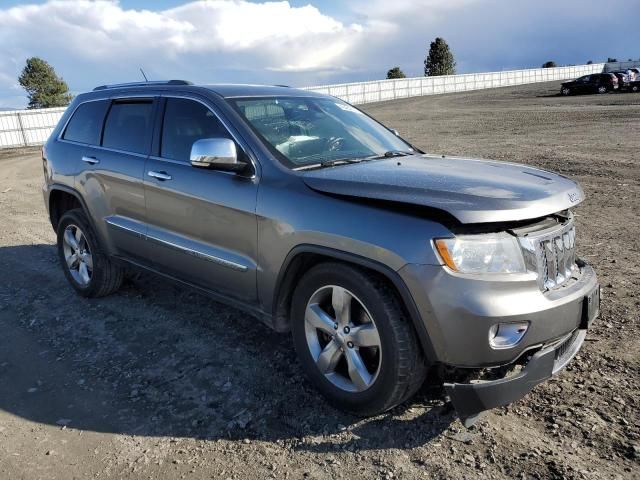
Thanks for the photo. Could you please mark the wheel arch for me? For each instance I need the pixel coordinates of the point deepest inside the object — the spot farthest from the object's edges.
(61, 199)
(303, 257)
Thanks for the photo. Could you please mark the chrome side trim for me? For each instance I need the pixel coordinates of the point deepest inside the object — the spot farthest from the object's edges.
(129, 226)
(200, 255)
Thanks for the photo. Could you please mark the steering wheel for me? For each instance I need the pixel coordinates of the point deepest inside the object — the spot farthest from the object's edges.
(335, 143)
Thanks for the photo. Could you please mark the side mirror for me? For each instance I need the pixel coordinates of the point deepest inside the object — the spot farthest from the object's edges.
(217, 154)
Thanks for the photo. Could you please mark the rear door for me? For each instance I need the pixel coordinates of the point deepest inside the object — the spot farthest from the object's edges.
(111, 180)
(202, 225)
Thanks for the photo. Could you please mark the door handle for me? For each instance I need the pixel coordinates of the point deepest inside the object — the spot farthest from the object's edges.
(159, 175)
(90, 160)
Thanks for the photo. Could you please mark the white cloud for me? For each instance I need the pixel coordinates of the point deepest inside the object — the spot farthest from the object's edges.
(96, 42)
(285, 36)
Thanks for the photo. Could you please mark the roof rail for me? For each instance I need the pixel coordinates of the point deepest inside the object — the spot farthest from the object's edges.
(144, 84)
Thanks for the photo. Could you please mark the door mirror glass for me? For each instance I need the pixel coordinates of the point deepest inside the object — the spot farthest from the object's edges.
(217, 154)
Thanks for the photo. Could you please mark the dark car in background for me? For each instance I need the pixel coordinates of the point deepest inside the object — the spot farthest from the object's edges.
(594, 83)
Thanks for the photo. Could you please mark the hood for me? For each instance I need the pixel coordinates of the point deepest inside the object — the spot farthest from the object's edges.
(471, 190)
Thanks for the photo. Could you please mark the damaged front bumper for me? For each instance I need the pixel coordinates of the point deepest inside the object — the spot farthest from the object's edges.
(471, 399)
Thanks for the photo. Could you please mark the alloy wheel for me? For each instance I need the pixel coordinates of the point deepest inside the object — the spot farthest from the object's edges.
(342, 338)
(77, 254)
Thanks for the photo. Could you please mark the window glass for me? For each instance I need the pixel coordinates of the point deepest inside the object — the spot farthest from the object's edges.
(128, 125)
(186, 121)
(307, 131)
(86, 124)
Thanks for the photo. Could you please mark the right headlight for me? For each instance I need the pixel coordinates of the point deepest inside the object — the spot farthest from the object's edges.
(482, 253)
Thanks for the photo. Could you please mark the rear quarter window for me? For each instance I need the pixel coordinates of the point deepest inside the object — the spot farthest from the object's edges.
(128, 126)
(85, 125)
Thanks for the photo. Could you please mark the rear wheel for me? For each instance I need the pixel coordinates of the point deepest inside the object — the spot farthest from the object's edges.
(353, 340)
(602, 89)
(90, 272)
(635, 88)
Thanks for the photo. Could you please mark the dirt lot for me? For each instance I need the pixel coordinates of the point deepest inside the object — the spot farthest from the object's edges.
(158, 382)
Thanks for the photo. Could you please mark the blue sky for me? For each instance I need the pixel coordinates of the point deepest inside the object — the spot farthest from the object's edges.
(300, 42)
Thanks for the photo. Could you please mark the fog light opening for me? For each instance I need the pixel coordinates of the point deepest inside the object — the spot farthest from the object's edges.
(507, 335)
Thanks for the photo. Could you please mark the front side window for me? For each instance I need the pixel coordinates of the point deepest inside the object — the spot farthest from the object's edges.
(128, 126)
(86, 124)
(309, 131)
(186, 121)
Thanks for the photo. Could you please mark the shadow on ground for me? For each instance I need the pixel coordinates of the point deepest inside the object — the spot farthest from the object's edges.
(156, 359)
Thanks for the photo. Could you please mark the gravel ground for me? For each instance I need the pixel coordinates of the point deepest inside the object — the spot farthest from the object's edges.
(159, 382)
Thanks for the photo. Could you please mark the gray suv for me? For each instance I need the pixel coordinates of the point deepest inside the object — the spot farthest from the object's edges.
(386, 264)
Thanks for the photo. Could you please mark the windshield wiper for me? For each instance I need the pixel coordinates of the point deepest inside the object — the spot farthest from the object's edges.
(393, 153)
(346, 161)
(330, 163)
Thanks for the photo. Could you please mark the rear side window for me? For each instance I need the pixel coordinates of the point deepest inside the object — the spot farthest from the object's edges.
(186, 121)
(128, 126)
(85, 125)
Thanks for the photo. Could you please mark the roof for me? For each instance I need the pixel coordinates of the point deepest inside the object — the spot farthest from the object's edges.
(236, 90)
(224, 90)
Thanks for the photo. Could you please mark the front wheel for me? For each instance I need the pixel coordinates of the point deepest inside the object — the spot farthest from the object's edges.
(353, 340)
(635, 88)
(566, 91)
(602, 89)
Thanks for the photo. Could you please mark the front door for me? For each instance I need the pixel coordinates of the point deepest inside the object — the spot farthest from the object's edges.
(201, 223)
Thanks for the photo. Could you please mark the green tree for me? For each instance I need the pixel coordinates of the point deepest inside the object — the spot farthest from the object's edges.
(440, 60)
(549, 64)
(395, 72)
(612, 60)
(590, 62)
(44, 87)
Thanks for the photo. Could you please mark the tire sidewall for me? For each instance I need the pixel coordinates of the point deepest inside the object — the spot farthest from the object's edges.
(362, 288)
(78, 218)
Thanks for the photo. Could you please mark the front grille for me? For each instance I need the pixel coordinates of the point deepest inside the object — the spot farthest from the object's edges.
(558, 257)
(552, 254)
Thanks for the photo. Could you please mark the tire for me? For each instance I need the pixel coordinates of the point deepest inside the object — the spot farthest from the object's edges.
(391, 355)
(77, 245)
(635, 88)
(602, 89)
(566, 91)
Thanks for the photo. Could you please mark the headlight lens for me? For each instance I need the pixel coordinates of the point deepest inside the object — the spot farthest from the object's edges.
(484, 253)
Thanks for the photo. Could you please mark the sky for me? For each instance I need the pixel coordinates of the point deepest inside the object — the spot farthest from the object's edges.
(300, 42)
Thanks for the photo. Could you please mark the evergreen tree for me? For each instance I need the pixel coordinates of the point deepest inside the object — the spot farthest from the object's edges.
(395, 72)
(44, 87)
(440, 59)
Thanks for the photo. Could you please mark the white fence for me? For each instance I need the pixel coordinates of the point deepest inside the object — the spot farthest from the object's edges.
(381, 90)
(32, 127)
(23, 128)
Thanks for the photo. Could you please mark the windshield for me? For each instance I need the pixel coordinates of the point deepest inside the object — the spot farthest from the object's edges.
(307, 131)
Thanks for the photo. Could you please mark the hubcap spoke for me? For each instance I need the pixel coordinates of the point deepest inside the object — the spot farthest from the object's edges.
(71, 260)
(358, 373)
(341, 301)
(320, 319)
(87, 259)
(365, 335)
(70, 239)
(329, 357)
(84, 273)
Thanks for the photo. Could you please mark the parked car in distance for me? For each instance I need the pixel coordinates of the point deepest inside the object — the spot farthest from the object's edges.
(594, 83)
(301, 210)
(623, 80)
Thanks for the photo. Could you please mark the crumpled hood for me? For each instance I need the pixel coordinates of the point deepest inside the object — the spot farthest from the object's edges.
(471, 190)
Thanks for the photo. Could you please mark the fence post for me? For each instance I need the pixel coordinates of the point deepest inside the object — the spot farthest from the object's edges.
(24, 135)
